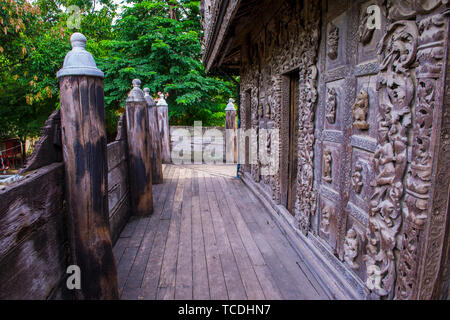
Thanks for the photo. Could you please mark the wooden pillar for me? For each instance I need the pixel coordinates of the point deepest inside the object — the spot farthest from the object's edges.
(155, 138)
(231, 133)
(163, 122)
(84, 151)
(139, 150)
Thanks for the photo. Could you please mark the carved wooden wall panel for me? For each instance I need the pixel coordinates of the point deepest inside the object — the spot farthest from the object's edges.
(373, 141)
(284, 45)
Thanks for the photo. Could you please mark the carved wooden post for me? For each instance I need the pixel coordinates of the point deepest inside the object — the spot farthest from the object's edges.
(84, 151)
(155, 137)
(231, 132)
(163, 122)
(139, 150)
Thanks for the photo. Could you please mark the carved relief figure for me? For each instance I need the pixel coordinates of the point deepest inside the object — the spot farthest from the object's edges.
(396, 88)
(333, 42)
(357, 179)
(351, 247)
(365, 33)
(306, 201)
(327, 162)
(417, 213)
(331, 105)
(359, 110)
(327, 211)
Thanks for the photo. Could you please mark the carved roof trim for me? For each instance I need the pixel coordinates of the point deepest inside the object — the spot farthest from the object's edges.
(223, 12)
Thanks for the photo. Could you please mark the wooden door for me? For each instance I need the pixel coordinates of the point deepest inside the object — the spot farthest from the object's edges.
(293, 127)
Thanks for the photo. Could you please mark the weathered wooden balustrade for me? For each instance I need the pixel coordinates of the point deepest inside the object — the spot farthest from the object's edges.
(79, 192)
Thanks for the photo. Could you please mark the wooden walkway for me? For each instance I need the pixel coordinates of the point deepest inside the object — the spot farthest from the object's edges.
(209, 238)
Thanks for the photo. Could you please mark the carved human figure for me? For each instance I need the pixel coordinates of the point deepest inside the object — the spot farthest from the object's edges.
(351, 246)
(269, 105)
(365, 32)
(357, 179)
(327, 162)
(327, 211)
(359, 110)
(331, 105)
(384, 159)
(333, 42)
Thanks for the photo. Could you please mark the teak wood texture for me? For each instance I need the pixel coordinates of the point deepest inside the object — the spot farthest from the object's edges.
(370, 190)
(155, 138)
(209, 238)
(84, 151)
(139, 158)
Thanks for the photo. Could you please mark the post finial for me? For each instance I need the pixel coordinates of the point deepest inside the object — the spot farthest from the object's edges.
(136, 83)
(78, 61)
(148, 98)
(230, 105)
(162, 102)
(78, 40)
(136, 94)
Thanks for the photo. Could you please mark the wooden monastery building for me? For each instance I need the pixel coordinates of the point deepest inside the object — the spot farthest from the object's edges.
(359, 92)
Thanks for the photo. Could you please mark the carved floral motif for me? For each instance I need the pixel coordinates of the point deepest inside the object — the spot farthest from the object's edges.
(333, 42)
(418, 179)
(396, 54)
(405, 9)
(305, 204)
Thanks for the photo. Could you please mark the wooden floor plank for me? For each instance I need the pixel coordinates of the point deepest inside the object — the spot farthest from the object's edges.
(209, 238)
(216, 279)
(183, 283)
(137, 271)
(153, 269)
(235, 287)
(152, 273)
(249, 279)
(166, 287)
(200, 271)
(284, 253)
(124, 267)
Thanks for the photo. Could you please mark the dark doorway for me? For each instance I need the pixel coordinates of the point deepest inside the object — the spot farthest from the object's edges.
(293, 128)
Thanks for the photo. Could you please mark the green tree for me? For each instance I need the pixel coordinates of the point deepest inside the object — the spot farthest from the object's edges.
(159, 43)
(32, 51)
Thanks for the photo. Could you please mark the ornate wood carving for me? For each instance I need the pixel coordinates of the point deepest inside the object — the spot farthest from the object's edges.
(365, 33)
(331, 105)
(357, 178)
(359, 110)
(327, 165)
(396, 91)
(351, 248)
(418, 181)
(305, 205)
(333, 42)
(405, 9)
(327, 212)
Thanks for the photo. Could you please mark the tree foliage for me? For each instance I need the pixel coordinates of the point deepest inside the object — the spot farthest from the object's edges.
(158, 42)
